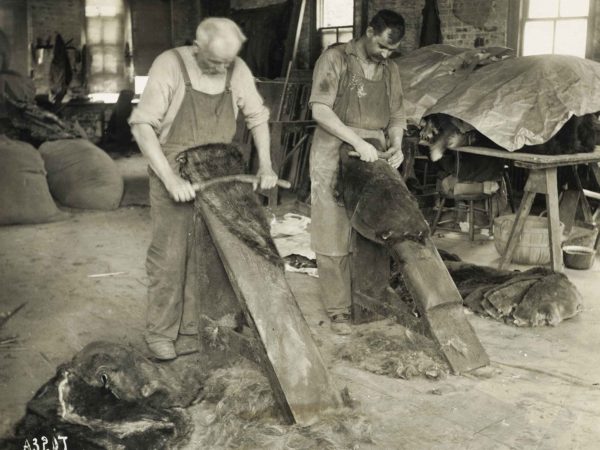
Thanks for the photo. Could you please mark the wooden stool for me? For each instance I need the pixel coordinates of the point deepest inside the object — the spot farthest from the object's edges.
(470, 200)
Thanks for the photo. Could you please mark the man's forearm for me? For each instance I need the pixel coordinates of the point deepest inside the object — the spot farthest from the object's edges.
(262, 142)
(150, 147)
(396, 134)
(329, 120)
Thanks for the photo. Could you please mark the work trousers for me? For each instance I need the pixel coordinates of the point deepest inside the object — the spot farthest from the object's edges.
(171, 267)
(335, 283)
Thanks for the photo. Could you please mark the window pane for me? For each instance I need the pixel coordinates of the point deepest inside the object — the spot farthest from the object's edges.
(574, 8)
(538, 37)
(112, 33)
(543, 8)
(570, 37)
(335, 13)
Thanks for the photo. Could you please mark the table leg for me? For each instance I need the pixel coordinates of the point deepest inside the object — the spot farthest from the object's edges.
(553, 220)
(517, 228)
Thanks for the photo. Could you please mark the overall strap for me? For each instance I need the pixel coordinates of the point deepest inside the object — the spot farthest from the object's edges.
(229, 75)
(184, 72)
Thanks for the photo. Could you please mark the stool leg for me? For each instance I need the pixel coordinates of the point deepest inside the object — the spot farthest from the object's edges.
(490, 212)
(438, 213)
(471, 216)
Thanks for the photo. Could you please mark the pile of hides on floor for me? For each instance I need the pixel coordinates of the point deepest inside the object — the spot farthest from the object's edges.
(109, 396)
(389, 349)
(533, 298)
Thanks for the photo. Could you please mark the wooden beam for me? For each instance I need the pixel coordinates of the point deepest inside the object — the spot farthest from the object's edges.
(298, 376)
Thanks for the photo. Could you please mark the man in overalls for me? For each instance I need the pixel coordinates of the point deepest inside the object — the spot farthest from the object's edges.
(192, 97)
(355, 95)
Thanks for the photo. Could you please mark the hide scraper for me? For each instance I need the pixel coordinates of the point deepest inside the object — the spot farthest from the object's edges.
(241, 178)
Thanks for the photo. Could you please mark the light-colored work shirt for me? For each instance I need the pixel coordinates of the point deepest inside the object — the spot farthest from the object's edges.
(165, 89)
(332, 64)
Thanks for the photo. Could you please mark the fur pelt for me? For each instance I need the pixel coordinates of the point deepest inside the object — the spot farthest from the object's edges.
(235, 204)
(535, 297)
(440, 132)
(110, 396)
(375, 195)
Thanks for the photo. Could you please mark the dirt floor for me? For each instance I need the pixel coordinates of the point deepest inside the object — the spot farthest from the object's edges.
(83, 279)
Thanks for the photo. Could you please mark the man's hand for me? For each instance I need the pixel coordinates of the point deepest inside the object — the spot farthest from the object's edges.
(366, 151)
(180, 190)
(268, 178)
(396, 156)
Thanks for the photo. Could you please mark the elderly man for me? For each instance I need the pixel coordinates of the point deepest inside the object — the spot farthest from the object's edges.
(192, 98)
(355, 95)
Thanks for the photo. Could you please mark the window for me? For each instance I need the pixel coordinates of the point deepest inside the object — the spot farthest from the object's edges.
(555, 27)
(335, 20)
(107, 32)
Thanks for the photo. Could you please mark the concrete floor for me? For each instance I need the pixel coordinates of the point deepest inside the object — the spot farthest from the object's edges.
(83, 279)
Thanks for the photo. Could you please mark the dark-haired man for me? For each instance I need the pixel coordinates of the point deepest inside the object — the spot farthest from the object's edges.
(355, 95)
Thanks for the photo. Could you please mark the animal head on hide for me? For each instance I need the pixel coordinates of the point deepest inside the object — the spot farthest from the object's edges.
(439, 132)
(125, 372)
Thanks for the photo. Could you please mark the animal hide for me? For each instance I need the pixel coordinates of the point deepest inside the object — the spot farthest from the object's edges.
(440, 132)
(536, 297)
(61, 73)
(377, 200)
(111, 396)
(235, 204)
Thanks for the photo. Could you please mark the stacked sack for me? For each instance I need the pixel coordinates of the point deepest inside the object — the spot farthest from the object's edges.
(73, 171)
(24, 194)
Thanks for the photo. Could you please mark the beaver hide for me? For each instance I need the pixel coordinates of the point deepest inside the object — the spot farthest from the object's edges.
(376, 197)
(111, 396)
(235, 204)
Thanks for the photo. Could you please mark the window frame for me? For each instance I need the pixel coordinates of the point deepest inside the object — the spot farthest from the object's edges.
(320, 4)
(518, 10)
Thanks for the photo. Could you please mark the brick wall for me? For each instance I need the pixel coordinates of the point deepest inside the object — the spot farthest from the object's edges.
(458, 33)
(63, 16)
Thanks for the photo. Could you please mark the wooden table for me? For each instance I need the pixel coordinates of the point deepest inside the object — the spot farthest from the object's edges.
(541, 180)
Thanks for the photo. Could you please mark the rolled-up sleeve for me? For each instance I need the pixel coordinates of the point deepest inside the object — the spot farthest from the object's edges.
(397, 113)
(326, 78)
(157, 95)
(248, 100)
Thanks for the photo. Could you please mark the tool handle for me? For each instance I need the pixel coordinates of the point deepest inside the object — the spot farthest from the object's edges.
(242, 178)
(381, 155)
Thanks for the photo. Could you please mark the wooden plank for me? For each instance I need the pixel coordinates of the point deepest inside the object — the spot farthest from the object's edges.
(553, 220)
(440, 305)
(293, 363)
(530, 160)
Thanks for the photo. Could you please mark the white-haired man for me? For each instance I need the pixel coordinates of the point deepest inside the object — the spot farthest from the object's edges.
(192, 98)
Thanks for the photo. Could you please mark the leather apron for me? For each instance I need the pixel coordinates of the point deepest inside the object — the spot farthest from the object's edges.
(364, 106)
(172, 296)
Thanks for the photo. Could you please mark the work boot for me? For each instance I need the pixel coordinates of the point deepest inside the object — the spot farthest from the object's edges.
(163, 350)
(340, 324)
(186, 344)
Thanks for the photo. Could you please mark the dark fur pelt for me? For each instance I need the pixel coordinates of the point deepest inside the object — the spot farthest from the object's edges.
(375, 195)
(110, 396)
(535, 297)
(577, 135)
(235, 204)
